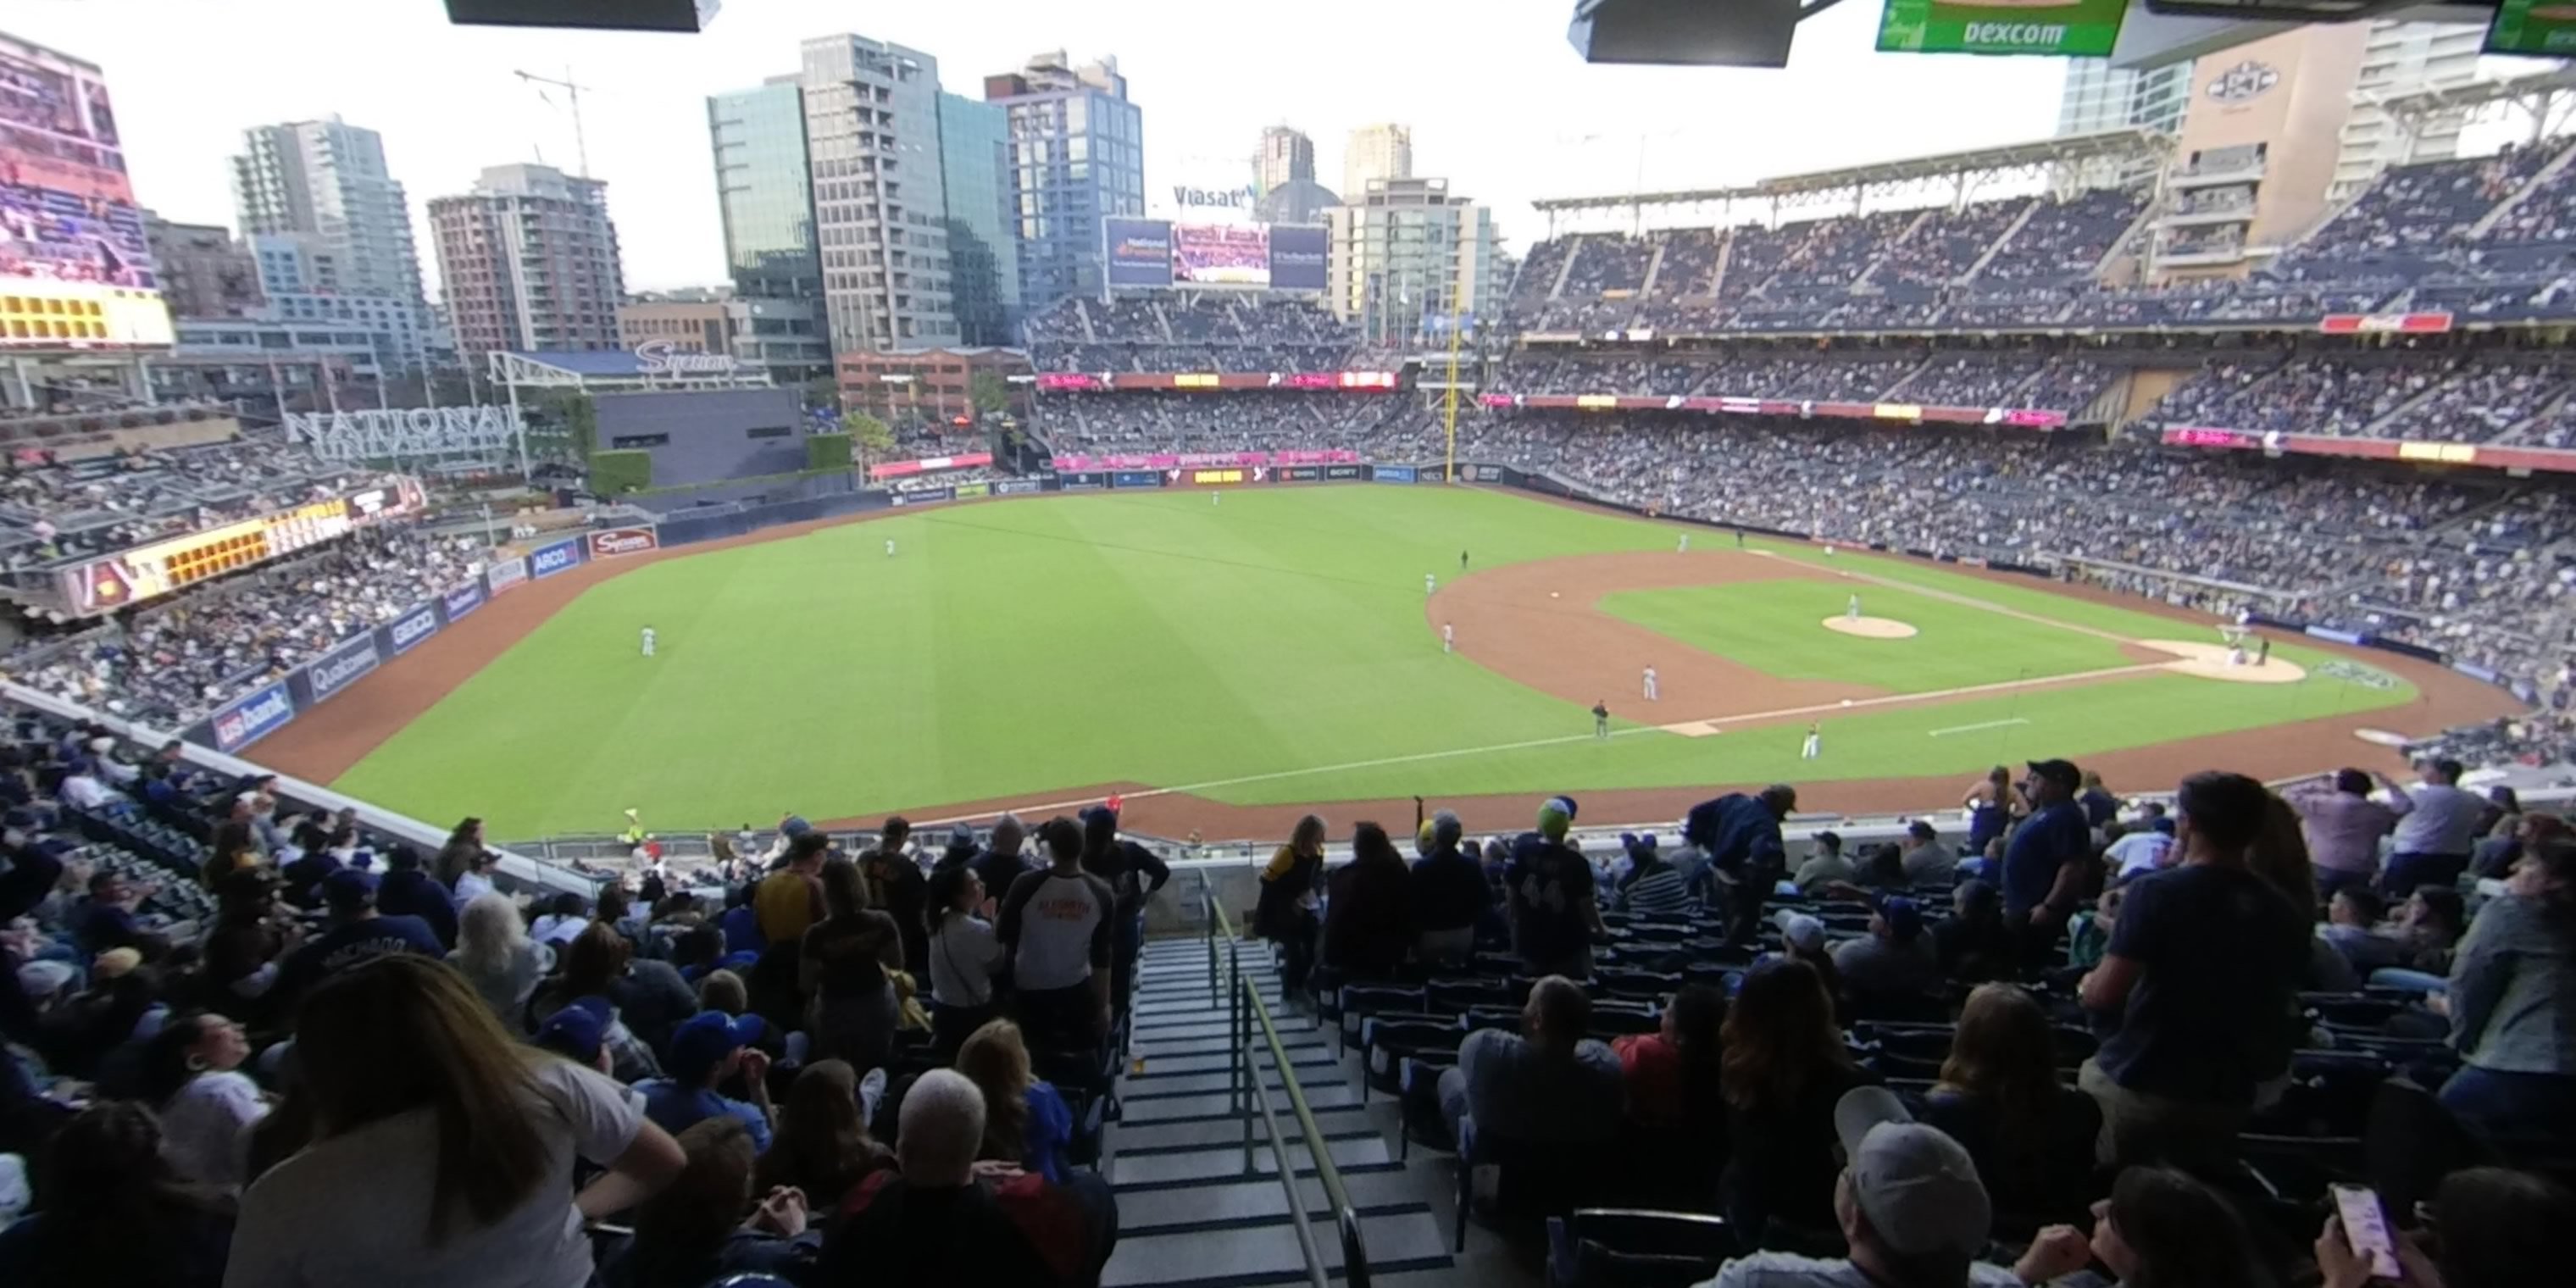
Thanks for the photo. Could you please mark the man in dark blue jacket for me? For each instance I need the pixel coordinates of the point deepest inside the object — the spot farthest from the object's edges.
(1741, 835)
(406, 891)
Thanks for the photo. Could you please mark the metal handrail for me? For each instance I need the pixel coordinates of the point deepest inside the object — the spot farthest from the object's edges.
(1247, 1009)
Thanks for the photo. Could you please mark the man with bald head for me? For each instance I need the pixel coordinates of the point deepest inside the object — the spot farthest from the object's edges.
(1548, 1083)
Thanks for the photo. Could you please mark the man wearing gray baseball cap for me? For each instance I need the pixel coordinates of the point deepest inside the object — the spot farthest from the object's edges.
(1910, 1205)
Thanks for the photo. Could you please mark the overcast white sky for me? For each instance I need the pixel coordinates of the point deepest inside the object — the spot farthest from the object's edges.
(1499, 102)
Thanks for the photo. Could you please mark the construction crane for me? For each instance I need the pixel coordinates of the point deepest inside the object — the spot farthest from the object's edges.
(581, 146)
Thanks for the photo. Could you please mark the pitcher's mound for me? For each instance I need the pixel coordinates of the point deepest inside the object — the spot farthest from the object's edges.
(2210, 662)
(1875, 628)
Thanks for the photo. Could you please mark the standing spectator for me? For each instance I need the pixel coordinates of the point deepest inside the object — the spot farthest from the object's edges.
(1002, 862)
(1925, 860)
(708, 1050)
(1741, 836)
(1025, 1117)
(496, 956)
(1285, 914)
(1368, 928)
(406, 891)
(1449, 894)
(1056, 924)
(2344, 828)
(2202, 974)
(1893, 973)
(961, 848)
(1547, 1084)
(940, 1219)
(2437, 826)
(1783, 1068)
(358, 933)
(694, 1233)
(822, 1146)
(895, 886)
(965, 959)
(2043, 875)
(2512, 1004)
(113, 1212)
(1991, 804)
(461, 862)
(1133, 874)
(192, 1075)
(2097, 802)
(1974, 944)
(1999, 1096)
(1671, 1074)
(2159, 1229)
(844, 969)
(1549, 885)
(789, 901)
(440, 1147)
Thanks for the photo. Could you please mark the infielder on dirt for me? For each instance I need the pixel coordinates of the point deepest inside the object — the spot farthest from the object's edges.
(1652, 695)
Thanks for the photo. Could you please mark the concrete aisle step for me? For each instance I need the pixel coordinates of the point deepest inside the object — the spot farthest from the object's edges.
(1153, 1086)
(1213, 1105)
(1142, 1138)
(1269, 1254)
(1148, 1044)
(1302, 1058)
(1215, 1025)
(1225, 1162)
(1255, 1200)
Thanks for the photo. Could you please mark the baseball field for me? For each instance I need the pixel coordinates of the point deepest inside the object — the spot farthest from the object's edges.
(1226, 662)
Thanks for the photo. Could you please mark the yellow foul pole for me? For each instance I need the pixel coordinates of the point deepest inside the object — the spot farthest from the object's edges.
(1449, 403)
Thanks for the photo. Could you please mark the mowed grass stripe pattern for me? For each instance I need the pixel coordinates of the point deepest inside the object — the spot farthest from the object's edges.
(1026, 646)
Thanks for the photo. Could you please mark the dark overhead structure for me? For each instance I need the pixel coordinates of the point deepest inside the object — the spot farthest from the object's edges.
(612, 15)
(1735, 33)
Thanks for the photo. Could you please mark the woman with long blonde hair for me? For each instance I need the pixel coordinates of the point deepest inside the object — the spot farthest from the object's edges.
(1285, 914)
(496, 956)
(1025, 1118)
(440, 1145)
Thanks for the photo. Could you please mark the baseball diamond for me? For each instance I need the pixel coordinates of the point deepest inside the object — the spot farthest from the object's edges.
(1228, 667)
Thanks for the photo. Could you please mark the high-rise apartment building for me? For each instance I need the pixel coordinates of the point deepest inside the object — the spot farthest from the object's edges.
(765, 191)
(1376, 152)
(983, 256)
(204, 272)
(328, 180)
(1406, 255)
(1286, 157)
(529, 261)
(1077, 155)
(880, 202)
(2098, 96)
(2400, 58)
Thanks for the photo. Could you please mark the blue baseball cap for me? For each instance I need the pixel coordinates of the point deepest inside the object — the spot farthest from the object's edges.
(1904, 917)
(577, 1031)
(348, 888)
(705, 1039)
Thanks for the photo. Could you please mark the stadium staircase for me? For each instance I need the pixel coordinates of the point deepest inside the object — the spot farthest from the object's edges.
(2028, 208)
(1200, 1200)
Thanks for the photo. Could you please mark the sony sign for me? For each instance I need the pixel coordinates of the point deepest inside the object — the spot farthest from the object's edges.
(664, 358)
(1189, 198)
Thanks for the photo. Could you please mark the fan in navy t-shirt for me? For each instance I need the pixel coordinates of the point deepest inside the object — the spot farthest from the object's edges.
(2042, 864)
(358, 933)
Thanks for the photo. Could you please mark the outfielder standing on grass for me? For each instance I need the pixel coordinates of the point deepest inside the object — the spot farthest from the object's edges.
(648, 641)
(1429, 583)
(1601, 718)
(1815, 744)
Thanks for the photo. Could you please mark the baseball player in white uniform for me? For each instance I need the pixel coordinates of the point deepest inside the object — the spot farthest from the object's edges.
(889, 548)
(1815, 744)
(648, 641)
(1852, 610)
(1685, 544)
(1448, 638)
(1429, 583)
(1652, 695)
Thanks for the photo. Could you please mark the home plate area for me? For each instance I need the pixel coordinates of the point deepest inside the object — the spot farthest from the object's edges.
(1874, 628)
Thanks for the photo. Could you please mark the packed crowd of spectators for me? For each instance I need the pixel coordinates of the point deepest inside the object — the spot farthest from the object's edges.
(2098, 1041)
(1256, 421)
(174, 664)
(1189, 331)
(1966, 379)
(54, 509)
(298, 1053)
(1947, 243)
(1609, 262)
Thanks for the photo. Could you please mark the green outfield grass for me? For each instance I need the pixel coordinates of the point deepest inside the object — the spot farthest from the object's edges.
(1269, 649)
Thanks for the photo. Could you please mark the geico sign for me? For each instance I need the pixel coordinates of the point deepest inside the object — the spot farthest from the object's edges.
(621, 541)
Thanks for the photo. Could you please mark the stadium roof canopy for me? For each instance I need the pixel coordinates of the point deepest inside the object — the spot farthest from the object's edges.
(2537, 94)
(2113, 153)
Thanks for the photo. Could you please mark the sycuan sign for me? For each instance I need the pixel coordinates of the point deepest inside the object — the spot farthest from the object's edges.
(2066, 28)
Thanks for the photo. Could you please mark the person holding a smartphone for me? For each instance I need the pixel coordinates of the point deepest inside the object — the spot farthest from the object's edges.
(2487, 1227)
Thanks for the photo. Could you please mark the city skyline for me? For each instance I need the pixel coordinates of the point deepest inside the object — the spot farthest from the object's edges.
(452, 106)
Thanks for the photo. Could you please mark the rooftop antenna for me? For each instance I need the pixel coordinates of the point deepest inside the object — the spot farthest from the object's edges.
(581, 146)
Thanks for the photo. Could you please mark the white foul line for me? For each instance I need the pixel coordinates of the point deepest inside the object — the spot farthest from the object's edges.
(1991, 724)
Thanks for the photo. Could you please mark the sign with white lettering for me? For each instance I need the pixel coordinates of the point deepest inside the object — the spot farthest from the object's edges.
(406, 433)
(664, 358)
(2065, 28)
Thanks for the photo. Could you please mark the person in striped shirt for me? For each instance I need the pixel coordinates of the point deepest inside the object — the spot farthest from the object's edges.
(1652, 887)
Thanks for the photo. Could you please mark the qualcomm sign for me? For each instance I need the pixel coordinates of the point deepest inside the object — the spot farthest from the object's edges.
(664, 358)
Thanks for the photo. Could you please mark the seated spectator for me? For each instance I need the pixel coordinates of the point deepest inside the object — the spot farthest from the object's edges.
(1782, 1070)
(2498, 1229)
(580, 1033)
(1060, 951)
(2344, 829)
(106, 919)
(1999, 1096)
(1368, 928)
(496, 956)
(1449, 895)
(1803, 939)
(1825, 866)
(1291, 888)
(1554, 913)
(358, 934)
(207, 1106)
(2512, 993)
(845, 966)
(440, 1147)
(696, 1231)
(1911, 1208)
(1926, 860)
(463, 864)
(2097, 802)
(1025, 1117)
(708, 1049)
(406, 891)
(723, 991)
(566, 913)
(2352, 928)
(650, 997)
(2160, 1226)
(1671, 1074)
(2202, 975)
(1651, 887)
(966, 957)
(2089, 935)
(942, 1219)
(113, 1213)
(1548, 1084)
(822, 1148)
(1893, 971)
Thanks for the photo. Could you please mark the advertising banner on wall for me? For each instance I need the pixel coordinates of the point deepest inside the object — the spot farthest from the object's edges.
(1082, 479)
(255, 716)
(1221, 254)
(506, 573)
(2064, 28)
(1296, 257)
(1299, 473)
(461, 601)
(928, 464)
(562, 556)
(608, 543)
(1344, 473)
(411, 628)
(923, 495)
(343, 666)
(1017, 487)
(1136, 478)
(1392, 473)
(968, 490)
(1139, 251)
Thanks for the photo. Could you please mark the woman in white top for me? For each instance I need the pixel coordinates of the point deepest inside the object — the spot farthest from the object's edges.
(207, 1106)
(495, 955)
(964, 958)
(440, 1147)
